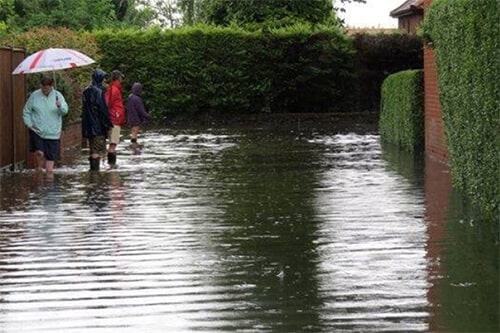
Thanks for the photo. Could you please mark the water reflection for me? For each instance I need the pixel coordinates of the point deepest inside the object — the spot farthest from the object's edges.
(372, 240)
(463, 256)
(462, 251)
(266, 190)
(255, 231)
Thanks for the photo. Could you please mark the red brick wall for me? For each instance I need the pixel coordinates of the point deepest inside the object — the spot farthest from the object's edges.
(71, 142)
(435, 143)
(438, 183)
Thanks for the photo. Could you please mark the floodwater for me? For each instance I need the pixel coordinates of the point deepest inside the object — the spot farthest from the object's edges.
(246, 231)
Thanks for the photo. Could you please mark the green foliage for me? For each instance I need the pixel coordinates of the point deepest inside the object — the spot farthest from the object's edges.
(214, 69)
(256, 14)
(121, 8)
(274, 13)
(464, 35)
(377, 57)
(23, 15)
(70, 82)
(313, 72)
(402, 112)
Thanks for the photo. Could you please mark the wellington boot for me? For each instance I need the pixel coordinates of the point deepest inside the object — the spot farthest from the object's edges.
(111, 159)
(94, 163)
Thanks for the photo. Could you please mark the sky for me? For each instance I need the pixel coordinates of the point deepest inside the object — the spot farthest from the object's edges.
(372, 14)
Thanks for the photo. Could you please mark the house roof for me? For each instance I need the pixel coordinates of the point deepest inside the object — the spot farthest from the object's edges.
(409, 7)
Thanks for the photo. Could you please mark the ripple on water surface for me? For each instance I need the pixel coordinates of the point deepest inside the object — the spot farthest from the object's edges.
(250, 232)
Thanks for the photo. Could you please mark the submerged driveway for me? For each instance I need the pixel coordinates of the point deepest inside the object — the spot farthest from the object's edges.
(249, 231)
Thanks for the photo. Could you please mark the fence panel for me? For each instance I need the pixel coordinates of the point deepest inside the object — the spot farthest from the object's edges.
(13, 133)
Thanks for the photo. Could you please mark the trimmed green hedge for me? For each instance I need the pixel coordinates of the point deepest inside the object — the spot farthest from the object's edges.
(229, 70)
(402, 113)
(225, 70)
(465, 36)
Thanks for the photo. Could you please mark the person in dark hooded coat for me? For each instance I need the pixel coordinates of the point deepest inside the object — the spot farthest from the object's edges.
(95, 119)
(136, 112)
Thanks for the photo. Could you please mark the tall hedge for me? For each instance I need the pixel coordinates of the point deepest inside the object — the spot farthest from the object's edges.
(226, 70)
(465, 36)
(402, 113)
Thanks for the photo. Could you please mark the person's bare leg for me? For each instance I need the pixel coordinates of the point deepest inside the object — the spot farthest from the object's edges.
(112, 148)
(114, 138)
(49, 169)
(134, 132)
(39, 160)
(49, 166)
(94, 161)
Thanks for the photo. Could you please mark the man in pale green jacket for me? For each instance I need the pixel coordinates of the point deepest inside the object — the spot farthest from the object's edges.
(43, 114)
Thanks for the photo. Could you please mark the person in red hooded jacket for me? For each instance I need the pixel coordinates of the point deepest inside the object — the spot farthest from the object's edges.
(114, 99)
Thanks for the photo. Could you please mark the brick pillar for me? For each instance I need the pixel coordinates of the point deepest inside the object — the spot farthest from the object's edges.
(435, 142)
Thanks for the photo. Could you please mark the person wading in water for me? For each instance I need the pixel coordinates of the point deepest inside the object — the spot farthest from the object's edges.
(114, 100)
(136, 115)
(95, 119)
(42, 114)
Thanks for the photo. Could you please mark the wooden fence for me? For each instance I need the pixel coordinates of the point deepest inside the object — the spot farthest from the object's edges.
(13, 133)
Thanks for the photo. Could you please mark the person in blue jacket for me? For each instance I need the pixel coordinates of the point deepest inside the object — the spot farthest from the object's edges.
(136, 112)
(95, 119)
(42, 114)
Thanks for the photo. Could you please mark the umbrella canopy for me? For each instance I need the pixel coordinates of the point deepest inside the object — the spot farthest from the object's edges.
(52, 60)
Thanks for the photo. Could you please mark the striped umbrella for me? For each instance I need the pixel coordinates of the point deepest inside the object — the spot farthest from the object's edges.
(52, 60)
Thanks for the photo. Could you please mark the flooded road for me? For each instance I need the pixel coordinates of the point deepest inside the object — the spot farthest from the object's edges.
(246, 231)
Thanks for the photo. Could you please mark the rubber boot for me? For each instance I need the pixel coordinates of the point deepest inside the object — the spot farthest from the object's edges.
(94, 163)
(112, 159)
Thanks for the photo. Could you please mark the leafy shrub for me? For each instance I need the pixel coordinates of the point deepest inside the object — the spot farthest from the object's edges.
(402, 113)
(464, 35)
(229, 70)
